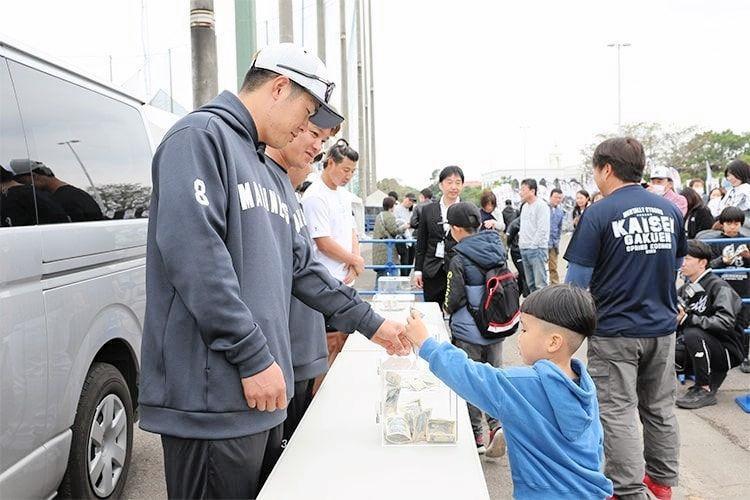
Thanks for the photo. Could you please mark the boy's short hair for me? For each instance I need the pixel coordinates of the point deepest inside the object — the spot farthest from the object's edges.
(566, 306)
(699, 250)
(555, 191)
(426, 193)
(732, 214)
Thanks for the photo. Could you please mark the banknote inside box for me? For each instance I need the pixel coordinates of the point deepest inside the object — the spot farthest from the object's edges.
(416, 408)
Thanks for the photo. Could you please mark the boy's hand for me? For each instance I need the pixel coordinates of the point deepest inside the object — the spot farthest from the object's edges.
(416, 331)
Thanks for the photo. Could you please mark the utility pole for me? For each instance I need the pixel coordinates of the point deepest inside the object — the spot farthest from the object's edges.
(619, 46)
(344, 69)
(111, 73)
(286, 21)
(70, 143)
(203, 48)
(364, 166)
(373, 164)
(321, 15)
(245, 36)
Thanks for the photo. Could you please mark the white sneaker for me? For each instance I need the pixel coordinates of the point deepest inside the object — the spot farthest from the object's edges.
(497, 444)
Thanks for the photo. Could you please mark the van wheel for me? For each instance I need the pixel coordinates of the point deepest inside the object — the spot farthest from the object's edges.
(102, 437)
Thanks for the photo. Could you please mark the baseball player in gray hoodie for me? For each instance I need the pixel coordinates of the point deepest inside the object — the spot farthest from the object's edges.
(223, 260)
(307, 329)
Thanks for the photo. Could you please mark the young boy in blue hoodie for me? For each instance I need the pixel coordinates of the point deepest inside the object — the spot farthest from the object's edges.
(549, 410)
(475, 253)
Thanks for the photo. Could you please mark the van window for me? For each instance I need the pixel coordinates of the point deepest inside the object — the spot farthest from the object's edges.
(16, 201)
(87, 151)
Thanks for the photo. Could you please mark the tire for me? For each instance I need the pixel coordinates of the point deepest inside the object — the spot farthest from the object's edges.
(104, 395)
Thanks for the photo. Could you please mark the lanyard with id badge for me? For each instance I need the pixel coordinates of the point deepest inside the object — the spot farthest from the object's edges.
(440, 248)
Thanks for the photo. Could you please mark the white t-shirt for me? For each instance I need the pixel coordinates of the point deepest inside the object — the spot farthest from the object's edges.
(329, 213)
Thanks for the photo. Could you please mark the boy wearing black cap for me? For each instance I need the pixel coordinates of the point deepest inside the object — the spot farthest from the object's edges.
(475, 253)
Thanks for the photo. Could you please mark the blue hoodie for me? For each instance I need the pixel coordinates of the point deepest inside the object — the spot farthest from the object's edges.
(466, 282)
(551, 424)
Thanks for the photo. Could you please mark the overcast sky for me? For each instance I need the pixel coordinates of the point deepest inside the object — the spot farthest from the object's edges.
(457, 82)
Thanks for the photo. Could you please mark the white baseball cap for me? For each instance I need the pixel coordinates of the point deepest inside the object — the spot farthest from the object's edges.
(661, 173)
(307, 70)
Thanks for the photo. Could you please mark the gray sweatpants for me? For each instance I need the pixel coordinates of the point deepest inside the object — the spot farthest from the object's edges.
(492, 354)
(636, 374)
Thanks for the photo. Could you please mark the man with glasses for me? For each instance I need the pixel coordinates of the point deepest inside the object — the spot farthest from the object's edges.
(223, 259)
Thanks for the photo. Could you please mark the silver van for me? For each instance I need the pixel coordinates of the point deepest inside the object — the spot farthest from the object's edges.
(75, 187)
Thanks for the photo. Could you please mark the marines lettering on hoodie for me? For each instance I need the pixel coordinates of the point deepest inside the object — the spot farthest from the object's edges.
(223, 260)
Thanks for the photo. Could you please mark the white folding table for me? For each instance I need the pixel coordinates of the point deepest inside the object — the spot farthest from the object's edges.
(337, 453)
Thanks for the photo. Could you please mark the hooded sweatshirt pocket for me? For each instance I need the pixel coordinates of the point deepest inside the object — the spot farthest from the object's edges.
(185, 357)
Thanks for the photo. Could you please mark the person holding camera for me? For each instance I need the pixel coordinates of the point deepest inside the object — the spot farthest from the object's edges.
(710, 330)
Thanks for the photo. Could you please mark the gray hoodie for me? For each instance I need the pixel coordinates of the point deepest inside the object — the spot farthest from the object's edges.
(223, 259)
(307, 328)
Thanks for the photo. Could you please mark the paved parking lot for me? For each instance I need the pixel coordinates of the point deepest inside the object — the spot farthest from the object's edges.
(715, 458)
(715, 447)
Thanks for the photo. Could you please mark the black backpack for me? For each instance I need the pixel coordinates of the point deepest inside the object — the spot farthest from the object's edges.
(500, 310)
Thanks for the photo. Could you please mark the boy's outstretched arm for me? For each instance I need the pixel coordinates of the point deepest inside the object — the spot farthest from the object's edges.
(478, 383)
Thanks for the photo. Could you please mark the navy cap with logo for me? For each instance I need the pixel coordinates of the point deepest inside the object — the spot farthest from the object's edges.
(464, 214)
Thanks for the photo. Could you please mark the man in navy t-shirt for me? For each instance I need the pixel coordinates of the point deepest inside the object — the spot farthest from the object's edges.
(626, 249)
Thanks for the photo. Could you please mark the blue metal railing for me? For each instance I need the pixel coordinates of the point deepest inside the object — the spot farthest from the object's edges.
(390, 267)
(744, 400)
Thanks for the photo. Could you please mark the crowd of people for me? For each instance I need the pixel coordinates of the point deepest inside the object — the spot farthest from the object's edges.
(636, 245)
(250, 298)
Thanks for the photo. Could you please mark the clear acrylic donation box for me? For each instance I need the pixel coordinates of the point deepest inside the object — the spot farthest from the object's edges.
(416, 408)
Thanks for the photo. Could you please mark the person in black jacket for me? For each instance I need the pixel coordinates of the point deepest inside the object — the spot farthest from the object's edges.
(710, 330)
(425, 198)
(730, 255)
(509, 213)
(698, 217)
(515, 254)
(434, 242)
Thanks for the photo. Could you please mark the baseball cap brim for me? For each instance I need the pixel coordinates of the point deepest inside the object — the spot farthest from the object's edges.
(326, 117)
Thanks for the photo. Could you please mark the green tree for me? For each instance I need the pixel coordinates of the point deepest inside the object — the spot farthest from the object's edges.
(717, 149)
(389, 184)
(472, 194)
(668, 147)
(687, 149)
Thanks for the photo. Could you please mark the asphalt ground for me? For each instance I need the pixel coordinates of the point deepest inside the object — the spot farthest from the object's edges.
(714, 451)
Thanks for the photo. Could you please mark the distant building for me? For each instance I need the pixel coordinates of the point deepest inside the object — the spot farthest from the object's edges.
(568, 172)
